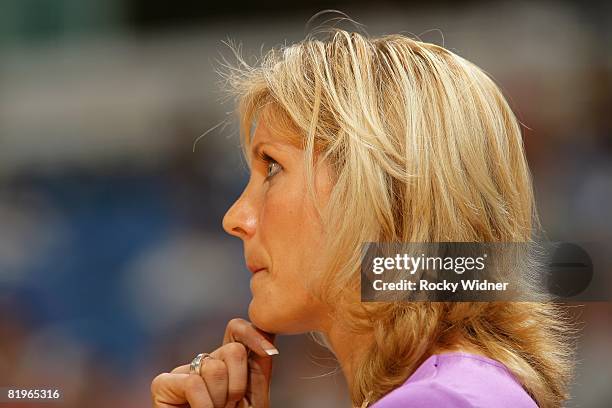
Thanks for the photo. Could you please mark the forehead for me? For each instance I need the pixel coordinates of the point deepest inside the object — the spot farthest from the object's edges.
(262, 133)
(274, 124)
(263, 137)
(269, 132)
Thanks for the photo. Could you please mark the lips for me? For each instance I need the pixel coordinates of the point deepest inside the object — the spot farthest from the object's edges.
(255, 268)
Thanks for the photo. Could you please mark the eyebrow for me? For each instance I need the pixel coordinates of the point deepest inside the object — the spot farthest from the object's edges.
(256, 147)
(254, 150)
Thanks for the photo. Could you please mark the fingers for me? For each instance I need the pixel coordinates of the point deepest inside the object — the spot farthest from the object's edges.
(234, 355)
(259, 362)
(215, 374)
(184, 369)
(256, 340)
(238, 371)
(169, 390)
(234, 358)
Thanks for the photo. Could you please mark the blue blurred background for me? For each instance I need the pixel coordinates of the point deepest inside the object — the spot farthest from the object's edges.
(113, 263)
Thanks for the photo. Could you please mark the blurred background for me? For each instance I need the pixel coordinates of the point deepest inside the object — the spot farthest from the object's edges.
(113, 263)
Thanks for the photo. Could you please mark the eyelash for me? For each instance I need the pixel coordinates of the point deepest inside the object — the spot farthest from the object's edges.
(269, 160)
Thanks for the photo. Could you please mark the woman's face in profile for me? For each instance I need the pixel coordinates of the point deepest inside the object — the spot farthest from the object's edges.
(282, 234)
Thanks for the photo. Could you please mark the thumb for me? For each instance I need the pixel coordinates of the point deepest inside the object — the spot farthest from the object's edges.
(259, 379)
(260, 374)
(260, 345)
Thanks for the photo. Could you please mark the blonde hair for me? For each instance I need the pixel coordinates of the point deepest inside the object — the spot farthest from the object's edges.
(425, 148)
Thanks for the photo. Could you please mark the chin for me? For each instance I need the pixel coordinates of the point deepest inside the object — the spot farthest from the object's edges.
(262, 318)
(272, 320)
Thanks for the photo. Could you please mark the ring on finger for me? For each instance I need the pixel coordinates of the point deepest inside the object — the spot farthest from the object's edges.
(196, 364)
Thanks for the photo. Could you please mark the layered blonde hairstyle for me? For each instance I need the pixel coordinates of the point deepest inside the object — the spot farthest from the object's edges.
(424, 148)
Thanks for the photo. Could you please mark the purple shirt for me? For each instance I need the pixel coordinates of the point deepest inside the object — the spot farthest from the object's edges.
(458, 380)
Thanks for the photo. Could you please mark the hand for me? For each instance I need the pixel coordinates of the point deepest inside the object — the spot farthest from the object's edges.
(238, 374)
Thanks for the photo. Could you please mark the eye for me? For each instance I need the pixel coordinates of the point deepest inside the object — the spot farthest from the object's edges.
(273, 166)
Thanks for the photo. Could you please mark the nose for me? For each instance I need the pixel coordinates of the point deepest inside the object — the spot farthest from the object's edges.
(241, 218)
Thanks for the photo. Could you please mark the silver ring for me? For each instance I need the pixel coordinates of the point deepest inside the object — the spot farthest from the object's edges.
(196, 363)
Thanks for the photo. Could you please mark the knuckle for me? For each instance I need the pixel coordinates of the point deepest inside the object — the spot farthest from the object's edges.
(193, 383)
(216, 370)
(235, 322)
(176, 369)
(235, 394)
(157, 383)
(235, 351)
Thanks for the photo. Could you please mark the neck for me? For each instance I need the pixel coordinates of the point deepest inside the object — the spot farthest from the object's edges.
(348, 347)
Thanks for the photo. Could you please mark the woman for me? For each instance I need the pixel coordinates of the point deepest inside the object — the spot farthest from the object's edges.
(377, 139)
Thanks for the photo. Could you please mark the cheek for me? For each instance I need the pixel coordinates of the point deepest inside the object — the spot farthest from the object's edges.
(283, 208)
(279, 218)
(290, 232)
(292, 236)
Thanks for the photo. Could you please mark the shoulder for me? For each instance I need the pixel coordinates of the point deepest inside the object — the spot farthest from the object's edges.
(423, 395)
(458, 380)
